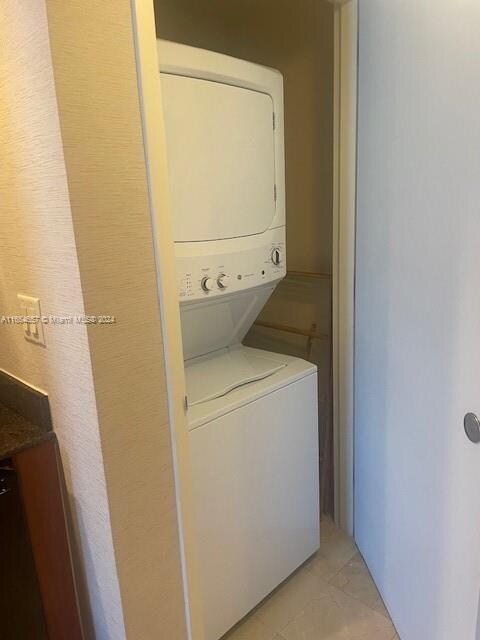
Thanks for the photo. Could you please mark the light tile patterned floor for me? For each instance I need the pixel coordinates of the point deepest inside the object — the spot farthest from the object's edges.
(332, 597)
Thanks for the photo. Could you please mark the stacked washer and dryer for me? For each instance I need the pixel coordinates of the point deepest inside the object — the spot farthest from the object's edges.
(252, 415)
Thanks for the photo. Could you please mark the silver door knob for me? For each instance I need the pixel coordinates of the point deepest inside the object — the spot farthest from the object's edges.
(472, 427)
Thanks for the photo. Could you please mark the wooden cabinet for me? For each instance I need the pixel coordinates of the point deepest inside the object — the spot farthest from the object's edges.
(37, 574)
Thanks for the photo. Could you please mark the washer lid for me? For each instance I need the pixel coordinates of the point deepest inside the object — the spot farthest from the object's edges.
(221, 158)
(292, 370)
(216, 375)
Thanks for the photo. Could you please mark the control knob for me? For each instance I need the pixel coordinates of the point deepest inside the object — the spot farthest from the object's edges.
(208, 284)
(222, 281)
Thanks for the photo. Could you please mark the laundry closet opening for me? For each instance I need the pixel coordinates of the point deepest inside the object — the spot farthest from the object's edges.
(297, 39)
(249, 113)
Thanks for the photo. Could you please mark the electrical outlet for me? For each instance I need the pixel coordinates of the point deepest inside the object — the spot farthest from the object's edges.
(30, 308)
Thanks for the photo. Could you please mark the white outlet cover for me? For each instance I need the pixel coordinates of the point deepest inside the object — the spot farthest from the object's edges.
(33, 331)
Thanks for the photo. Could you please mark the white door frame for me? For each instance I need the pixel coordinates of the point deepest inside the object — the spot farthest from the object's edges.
(156, 162)
(345, 169)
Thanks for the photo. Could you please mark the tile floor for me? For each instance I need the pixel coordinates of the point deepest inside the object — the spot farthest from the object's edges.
(332, 597)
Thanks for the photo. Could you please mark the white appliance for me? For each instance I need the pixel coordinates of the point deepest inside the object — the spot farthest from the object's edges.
(252, 415)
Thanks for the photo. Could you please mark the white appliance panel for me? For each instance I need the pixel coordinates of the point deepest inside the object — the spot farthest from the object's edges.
(221, 158)
(240, 263)
(256, 497)
(221, 373)
(215, 324)
(290, 370)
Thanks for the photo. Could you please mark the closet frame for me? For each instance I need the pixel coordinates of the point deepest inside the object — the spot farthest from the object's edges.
(343, 280)
(343, 268)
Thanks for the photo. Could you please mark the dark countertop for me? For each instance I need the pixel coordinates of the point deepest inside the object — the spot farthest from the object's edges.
(17, 433)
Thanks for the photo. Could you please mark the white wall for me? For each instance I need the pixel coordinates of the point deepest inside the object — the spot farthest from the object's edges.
(97, 88)
(38, 257)
(76, 232)
(417, 511)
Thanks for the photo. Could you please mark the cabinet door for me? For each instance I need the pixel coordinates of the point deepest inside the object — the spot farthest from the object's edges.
(21, 611)
(40, 480)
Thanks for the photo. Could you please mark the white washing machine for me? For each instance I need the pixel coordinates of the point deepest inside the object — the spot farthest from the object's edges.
(252, 415)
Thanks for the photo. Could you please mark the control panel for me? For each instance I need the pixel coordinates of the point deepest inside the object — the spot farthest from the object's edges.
(234, 265)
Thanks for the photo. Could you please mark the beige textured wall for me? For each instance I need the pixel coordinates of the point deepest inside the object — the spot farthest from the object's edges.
(95, 76)
(38, 257)
(296, 37)
(75, 231)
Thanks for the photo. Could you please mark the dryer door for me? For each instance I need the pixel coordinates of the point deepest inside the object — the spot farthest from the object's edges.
(221, 158)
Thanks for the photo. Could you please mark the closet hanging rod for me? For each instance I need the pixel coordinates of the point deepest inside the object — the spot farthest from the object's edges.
(310, 274)
(288, 329)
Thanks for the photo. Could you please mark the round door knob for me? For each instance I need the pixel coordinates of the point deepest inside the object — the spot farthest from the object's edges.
(277, 256)
(222, 281)
(208, 284)
(472, 427)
